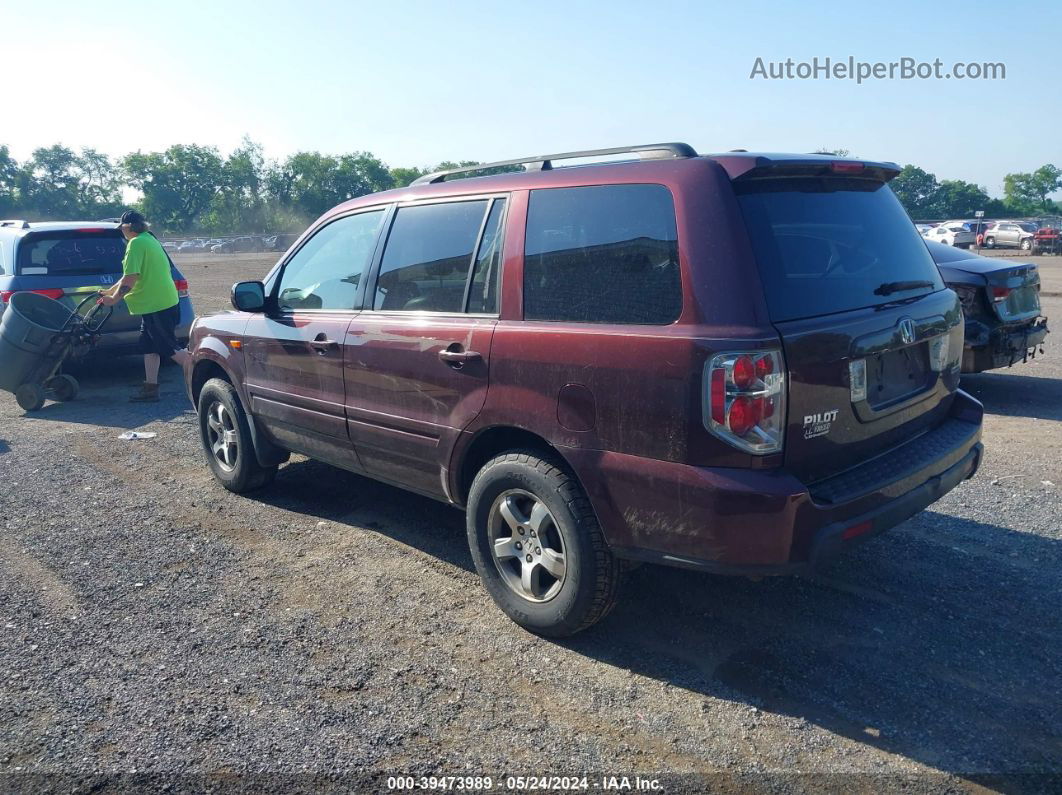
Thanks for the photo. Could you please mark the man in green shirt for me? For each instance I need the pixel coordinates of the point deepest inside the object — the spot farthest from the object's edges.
(148, 290)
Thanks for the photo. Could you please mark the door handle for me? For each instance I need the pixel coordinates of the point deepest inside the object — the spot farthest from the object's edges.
(322, 344)
(456, 357)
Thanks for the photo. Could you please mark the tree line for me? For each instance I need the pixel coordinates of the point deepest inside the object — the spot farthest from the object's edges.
(192, 189)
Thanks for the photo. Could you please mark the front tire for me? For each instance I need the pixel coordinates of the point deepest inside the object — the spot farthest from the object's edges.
(1026, 245)
(538, 547)
(226, 437)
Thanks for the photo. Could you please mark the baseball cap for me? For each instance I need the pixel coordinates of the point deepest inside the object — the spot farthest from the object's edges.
(131, 217)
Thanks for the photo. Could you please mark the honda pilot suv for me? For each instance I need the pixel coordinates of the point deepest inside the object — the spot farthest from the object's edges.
(737, 363)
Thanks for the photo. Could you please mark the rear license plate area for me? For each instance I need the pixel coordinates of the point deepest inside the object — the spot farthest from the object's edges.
(898, 374)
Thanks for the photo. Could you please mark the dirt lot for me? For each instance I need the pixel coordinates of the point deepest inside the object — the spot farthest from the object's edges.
(155, 625)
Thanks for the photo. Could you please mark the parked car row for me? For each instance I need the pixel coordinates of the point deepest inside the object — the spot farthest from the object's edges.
(984, 232)
(231, 245)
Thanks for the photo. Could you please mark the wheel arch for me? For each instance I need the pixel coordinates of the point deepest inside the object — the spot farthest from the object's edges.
(493, 441)
(266, 451)
(203, 371)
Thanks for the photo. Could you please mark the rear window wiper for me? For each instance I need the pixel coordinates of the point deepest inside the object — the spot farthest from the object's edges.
(894, 287)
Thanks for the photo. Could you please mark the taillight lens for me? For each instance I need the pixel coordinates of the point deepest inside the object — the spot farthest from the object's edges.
(182, 287)
(1000, 293)
(55, 293)
(744, 402)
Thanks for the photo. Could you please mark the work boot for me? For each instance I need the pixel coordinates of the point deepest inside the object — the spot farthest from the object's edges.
(149, 393)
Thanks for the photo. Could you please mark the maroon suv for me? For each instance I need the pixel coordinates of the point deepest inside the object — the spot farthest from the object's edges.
(736, 363)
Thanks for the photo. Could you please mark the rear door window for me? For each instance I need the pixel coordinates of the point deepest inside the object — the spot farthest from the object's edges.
(830, 244)
(602, 254)
(71, 253)
(426, 262)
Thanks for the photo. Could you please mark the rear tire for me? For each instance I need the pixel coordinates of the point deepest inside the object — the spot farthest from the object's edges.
(990, 242)
(226, 437)
(527, 514)
(62, 387)
(30, 397)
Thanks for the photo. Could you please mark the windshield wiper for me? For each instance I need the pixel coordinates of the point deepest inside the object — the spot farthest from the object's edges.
(894, 287)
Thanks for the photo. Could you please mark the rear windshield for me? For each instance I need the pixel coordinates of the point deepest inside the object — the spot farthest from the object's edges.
(829, 244)
(71, 253)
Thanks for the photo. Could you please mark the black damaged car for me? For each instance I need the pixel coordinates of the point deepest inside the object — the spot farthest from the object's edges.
(1001, 304)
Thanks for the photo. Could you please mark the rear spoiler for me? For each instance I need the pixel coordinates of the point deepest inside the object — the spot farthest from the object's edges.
(740, 165)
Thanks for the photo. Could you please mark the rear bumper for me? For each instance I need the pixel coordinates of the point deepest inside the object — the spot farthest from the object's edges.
(127, 341)
(1005, 346)
(736, 521)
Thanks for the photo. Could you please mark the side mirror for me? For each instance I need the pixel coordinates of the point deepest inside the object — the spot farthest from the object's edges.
(248, 296)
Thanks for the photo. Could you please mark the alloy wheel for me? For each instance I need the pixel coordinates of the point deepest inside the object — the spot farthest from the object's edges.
(527, 545)
(222, 436)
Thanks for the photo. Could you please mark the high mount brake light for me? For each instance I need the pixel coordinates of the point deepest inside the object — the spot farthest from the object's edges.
(846, 167)
(744, 400)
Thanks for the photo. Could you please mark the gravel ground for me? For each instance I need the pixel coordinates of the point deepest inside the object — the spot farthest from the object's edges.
(155, 629)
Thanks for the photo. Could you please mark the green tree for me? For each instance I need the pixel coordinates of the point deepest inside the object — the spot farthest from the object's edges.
(9, 180)
(240, 202)
(401, 177)
(1029, 191)
(917, 190)
(99, 183)
(179, 184)
(310, 183)
(50, 185)
(959, 199)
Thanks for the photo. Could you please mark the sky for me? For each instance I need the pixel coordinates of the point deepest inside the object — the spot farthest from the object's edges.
(416, 83)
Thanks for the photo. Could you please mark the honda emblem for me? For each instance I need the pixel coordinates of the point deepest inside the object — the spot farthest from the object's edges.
(907, 330)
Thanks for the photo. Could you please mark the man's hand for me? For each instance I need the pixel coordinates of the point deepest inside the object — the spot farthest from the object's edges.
(106, 299)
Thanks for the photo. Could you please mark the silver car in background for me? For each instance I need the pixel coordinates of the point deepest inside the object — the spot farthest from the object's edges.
(1010, 234)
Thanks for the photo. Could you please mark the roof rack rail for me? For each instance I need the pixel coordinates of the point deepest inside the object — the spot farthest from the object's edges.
(545, 162)
(16, 222)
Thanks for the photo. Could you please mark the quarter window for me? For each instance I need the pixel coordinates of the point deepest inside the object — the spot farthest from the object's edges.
(325, 272)
(426, 262)
(602, 254)
(483, 292)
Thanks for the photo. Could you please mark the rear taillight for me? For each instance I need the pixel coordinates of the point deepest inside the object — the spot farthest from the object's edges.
(54, 293)
(1000, 293)
(744, 401)
(182, 287)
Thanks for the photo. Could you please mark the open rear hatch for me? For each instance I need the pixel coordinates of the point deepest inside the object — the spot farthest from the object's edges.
(872, 339)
